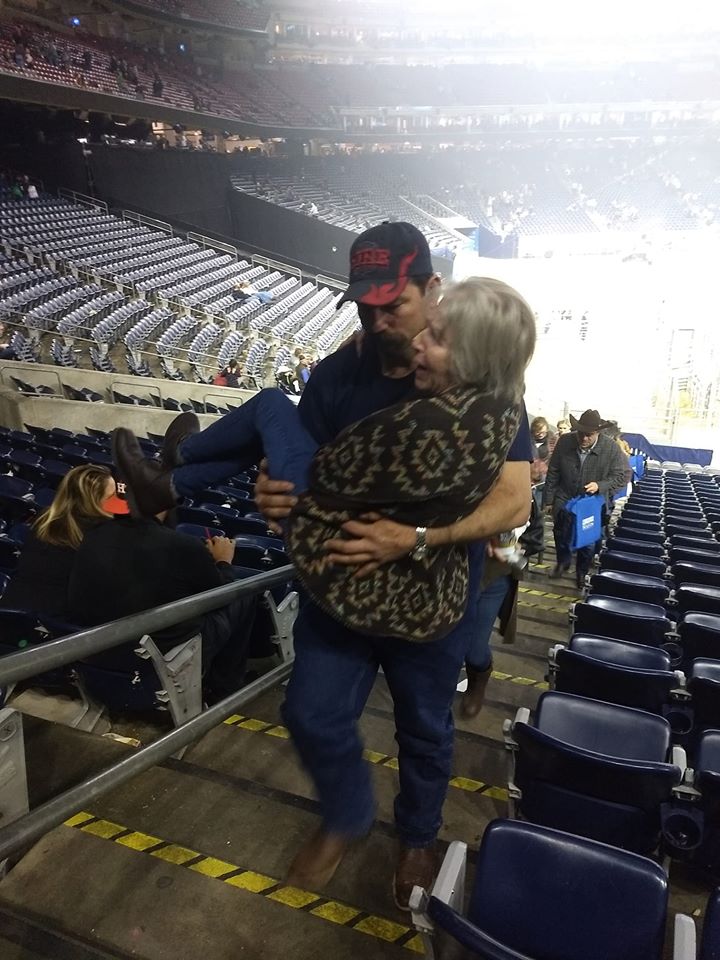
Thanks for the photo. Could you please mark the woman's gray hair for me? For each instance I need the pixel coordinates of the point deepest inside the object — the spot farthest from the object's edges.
(491, 335)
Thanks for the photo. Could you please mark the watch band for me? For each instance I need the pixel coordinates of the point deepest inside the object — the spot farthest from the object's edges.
(420, 548)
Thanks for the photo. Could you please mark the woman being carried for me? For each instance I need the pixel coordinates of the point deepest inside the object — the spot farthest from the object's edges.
(428, 461)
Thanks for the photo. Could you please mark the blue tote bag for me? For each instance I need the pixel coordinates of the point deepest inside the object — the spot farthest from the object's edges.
(586, 513)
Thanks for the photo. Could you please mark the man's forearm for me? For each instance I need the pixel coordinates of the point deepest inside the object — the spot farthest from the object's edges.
(506, 506)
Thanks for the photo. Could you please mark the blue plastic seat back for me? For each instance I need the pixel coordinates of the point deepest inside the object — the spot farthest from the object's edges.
(653, 525)
(267, 543)
(9, 554)
(630, 586)
(685, 572)
(548, 895)
(198, 530)
(699, 637)
(622, 619)
(632, 563)
(704, 685)
(195, 515)
(710, 943)
(589, 674)
(623, 653)
(707, 780)
(638, 533)
(603, 729)
(124, 692)
(640, 547)
(232, 493)
(695, 555)
(697, 598)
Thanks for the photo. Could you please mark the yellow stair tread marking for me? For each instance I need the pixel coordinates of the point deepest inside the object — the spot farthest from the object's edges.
(466, 783)
(251, 724)
(139, 841)
(174, 853)
(335, 912)
(78, 818)
(210, 867)
(103, 828)
(293, 897)
(249, 880)
(381, 928)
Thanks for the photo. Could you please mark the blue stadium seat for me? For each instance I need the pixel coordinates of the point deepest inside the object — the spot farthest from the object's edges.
(540, 894)
(686, 572)
(15, 498)
(639, 547)
(199, 530)
(704, 685)
(4, 581)
(695, 555)
(9, 554)
(630, 586)
(632, 563)
(707, 781)
(638, 533)
(699, 636)
(256, 557)
(710, 943)
(697, 598)
(594, 769)
(195, 515)
(615, 671)
(621, 620)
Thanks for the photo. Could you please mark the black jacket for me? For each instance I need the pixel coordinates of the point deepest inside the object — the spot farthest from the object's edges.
(40, 584)
(605, 464)
(129, 565)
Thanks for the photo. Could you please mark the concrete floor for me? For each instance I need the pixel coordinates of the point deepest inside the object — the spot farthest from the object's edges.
(188, 858)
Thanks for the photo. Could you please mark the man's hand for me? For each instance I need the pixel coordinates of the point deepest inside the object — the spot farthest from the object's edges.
(591, 487)
(273, 497)
(375, 541)
(221, 549)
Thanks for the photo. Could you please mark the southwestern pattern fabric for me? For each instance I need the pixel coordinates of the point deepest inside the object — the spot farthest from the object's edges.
(427, 462)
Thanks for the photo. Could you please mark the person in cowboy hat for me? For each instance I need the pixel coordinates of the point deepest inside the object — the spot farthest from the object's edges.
(583, 461)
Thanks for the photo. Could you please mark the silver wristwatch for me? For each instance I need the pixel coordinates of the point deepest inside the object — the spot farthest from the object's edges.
(421, 547)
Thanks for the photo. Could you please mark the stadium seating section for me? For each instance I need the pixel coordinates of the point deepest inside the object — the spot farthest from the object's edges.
(167, 293)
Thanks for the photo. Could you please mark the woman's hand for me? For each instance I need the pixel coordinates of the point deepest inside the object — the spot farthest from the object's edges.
(221, 549)
(273, 497)
(373, 541)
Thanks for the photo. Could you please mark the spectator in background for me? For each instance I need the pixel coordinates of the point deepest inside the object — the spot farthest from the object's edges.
(543, 438)
(232, 374)
(86, 497)
(134, 564)
(302, 372)
(32, 192)
(6, 351)
(586, 461)
(563, 426)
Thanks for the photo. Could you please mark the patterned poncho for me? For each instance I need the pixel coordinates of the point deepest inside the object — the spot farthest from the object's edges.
(425, 462)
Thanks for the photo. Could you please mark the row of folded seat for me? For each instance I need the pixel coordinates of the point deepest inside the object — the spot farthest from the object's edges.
(600, 786)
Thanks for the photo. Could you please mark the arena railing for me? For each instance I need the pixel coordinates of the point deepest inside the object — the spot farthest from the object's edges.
(82, 198)
(24, 829)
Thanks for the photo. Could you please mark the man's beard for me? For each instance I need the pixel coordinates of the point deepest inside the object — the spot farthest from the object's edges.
(395, 350)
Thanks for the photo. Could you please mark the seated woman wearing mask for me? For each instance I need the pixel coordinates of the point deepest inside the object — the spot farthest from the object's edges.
(86, 496)
(427, 461)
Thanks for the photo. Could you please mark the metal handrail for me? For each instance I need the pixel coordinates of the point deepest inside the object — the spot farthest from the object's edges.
(16, 666)
(32, 826)
(56, 653)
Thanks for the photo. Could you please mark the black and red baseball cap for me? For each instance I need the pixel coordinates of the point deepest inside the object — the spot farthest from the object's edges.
(117, 504)
(382, 261)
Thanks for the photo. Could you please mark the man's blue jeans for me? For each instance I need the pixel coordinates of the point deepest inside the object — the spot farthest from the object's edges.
(268, 424)
(488, 608)
(332, 677)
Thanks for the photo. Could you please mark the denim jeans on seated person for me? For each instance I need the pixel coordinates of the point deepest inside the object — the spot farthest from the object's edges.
(267, 425)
